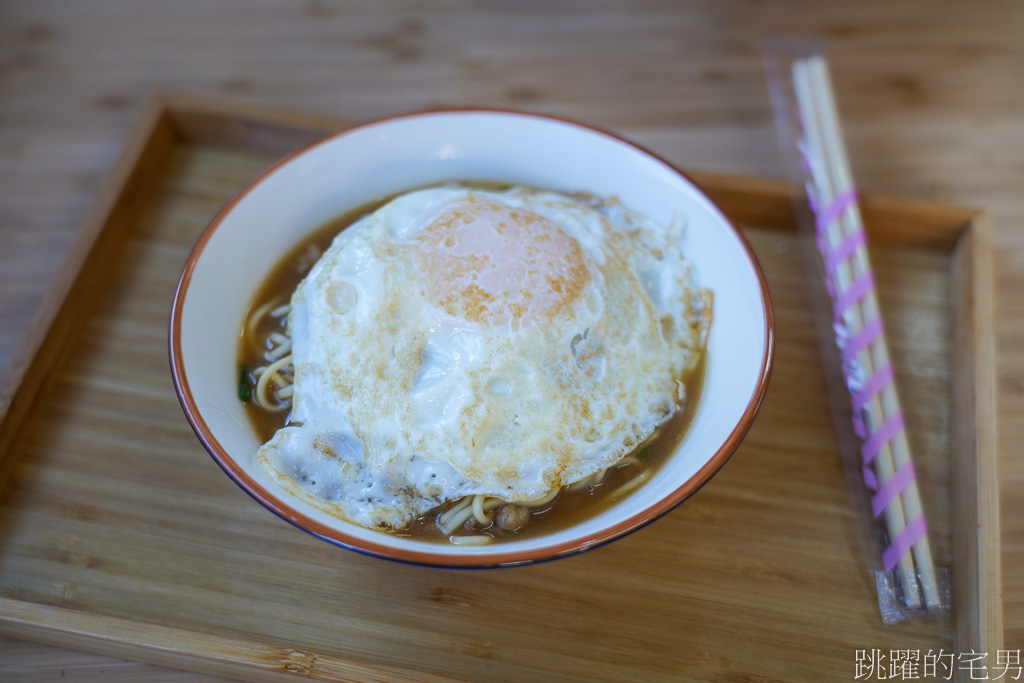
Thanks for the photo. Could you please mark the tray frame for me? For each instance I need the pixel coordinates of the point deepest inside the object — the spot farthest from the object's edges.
(171, 120)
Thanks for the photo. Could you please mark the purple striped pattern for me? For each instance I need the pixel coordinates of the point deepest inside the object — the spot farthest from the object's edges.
(863, 339)
(885, 433)
(857, 290)
(904, 541)
(872, 387)
(892, 487)
(851, 347)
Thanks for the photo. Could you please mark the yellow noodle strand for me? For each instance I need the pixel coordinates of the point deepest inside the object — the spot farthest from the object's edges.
(480, 539)
(279, 351)
(260, 395)
(449, 513)
(630, 485)
(543, 501)
(253, 321)
(478, 511)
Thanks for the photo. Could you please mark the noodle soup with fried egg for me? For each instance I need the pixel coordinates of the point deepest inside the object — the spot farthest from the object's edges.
(469, 364)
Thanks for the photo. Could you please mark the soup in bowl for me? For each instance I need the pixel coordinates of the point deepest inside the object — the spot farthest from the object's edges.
(471, 338)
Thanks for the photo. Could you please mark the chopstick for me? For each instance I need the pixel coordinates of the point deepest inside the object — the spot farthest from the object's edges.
(888, 467)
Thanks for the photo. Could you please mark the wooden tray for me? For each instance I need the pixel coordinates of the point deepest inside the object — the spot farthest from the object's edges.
(119, 534)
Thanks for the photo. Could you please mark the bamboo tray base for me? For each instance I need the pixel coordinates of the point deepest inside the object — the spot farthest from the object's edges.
(119, 534)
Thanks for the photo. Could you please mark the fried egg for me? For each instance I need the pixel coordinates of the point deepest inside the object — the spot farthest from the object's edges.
(461, 341)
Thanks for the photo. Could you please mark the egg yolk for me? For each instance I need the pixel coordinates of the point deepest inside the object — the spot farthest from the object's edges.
(499, 265)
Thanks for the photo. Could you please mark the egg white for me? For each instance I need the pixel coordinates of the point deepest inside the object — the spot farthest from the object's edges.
(402, 401)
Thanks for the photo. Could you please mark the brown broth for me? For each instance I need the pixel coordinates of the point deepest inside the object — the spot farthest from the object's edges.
(567, 509)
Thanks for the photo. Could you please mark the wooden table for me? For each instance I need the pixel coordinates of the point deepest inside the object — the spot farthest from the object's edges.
(929, 92)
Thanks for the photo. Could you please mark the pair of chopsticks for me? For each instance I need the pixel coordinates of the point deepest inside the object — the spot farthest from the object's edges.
(878, 420)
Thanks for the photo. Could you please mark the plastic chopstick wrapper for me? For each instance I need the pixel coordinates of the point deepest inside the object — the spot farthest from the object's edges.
(860, 379)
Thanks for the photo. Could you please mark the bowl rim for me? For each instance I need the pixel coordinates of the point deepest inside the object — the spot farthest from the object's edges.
(499, 558)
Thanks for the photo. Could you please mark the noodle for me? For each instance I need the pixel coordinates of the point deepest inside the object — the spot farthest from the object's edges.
(283, 345)
(543, 501)
(479, 539)
(259, 396)
(593, 480)
(253, 321)
(459, 518)
(279, 354)
(630, 485)
(478, 511)
(442, 521)
(477, 506)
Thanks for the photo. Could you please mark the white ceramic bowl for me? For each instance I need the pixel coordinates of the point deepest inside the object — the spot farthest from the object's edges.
(346, 170)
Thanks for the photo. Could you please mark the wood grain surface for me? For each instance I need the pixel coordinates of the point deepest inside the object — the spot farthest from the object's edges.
(68, 577)
(929, 93)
